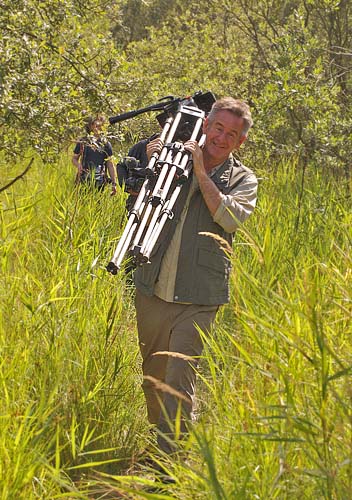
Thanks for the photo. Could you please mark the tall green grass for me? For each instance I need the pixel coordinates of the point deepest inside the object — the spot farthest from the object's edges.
(277, 371)
(274, 392)
(69, 379)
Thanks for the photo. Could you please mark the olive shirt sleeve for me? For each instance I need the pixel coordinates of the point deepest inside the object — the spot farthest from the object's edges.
(237, 206)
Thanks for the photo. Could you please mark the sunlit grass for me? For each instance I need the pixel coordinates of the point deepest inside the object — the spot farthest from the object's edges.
(274, 393)
(69, 376)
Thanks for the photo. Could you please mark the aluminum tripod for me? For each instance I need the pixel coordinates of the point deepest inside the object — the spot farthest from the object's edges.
(165, 174)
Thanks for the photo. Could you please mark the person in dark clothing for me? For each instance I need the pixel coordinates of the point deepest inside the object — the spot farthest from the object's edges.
(92, 156)
(138, 152)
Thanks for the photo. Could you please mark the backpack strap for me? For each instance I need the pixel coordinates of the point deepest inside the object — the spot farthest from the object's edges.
(238, 179)
(82, 152)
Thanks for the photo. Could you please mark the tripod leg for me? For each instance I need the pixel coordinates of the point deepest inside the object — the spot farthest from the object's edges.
(147, 213)
(165, 214)
(129, 230)
(157, 211)
(171, 163)
(137, 211)
(155, 156)
(185, 167)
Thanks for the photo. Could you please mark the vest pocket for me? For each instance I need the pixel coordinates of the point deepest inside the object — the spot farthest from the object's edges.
(215, 261)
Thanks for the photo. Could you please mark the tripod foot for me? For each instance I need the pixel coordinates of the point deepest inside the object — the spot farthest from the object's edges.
(112, 268)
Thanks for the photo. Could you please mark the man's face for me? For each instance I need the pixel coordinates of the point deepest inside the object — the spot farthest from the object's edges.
(224, 135)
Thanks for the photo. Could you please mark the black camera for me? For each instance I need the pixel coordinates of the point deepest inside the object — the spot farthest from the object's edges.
(201, 100)
(135, 174)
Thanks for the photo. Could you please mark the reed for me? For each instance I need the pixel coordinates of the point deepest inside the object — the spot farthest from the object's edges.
(274, 393)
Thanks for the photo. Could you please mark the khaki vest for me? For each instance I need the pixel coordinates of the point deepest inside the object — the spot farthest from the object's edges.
(203, 268)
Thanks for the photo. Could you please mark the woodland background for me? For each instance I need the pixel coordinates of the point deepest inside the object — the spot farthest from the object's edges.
(290, 60)
(275, 400)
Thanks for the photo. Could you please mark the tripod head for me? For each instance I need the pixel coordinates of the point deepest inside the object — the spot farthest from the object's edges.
(169, 106)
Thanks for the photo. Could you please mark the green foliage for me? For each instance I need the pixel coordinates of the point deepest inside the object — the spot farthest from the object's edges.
(290, 61)
(136, 16)
(274, 401)
(56, 59)
(67, 355)
(283, 59)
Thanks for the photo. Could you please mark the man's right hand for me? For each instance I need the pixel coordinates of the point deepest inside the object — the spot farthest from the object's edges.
(154, 146)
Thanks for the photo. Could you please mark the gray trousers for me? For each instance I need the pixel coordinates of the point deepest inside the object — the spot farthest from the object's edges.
(164, 326)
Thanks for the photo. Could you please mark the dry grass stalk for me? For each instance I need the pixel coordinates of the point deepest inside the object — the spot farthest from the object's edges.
(174, 355)
(224, 246)
(161, 386)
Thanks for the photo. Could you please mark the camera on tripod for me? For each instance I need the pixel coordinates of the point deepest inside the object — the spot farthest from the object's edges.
(135, 174)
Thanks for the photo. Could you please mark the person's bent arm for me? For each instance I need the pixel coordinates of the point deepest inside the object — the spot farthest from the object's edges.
(231, 210)
(77, 162)
(238, 205)
(112, 174)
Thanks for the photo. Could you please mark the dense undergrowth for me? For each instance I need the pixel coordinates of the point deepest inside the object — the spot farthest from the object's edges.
(274, 392)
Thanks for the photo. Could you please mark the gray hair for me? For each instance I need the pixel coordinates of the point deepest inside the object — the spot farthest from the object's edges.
(237, 107)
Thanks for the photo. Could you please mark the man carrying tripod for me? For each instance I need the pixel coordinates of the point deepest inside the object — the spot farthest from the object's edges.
(187, 279)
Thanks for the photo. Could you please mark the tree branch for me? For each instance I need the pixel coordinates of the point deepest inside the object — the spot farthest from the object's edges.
(18, 176)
